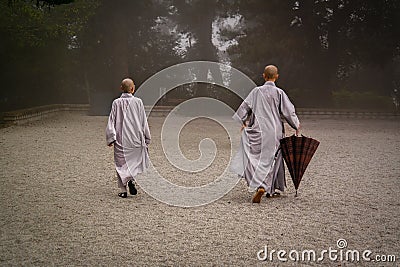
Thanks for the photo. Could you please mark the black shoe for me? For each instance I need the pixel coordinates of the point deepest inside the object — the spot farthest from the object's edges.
(123, 195)
(132, 188)
(275, 194)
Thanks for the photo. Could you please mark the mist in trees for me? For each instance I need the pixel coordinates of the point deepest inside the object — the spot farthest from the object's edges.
(331, 53)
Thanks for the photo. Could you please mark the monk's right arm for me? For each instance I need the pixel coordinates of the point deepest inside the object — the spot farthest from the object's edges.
(242, 114)
(110, 130)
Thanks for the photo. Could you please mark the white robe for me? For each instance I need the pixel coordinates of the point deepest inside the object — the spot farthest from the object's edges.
(128, 129)
(259, 158)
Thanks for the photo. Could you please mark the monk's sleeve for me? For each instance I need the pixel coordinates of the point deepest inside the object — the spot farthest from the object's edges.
(288, 111)
(110, 129)
(244, 110)
(145, 125)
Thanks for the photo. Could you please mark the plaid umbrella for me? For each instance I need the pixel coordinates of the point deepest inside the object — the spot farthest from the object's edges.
(297, 152)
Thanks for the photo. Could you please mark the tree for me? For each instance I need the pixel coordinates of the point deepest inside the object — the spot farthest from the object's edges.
(322, 46)
(36, 46)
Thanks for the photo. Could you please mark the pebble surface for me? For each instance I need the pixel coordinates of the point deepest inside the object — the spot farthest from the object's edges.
(59, 204)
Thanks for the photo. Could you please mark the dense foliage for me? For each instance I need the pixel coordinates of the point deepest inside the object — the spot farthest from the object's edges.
(331, 53)
(40, 62)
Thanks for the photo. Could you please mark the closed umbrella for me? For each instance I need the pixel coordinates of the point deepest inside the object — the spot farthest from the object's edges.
(297, 151)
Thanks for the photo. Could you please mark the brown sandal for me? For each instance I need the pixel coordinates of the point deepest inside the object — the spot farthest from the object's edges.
(258, 195)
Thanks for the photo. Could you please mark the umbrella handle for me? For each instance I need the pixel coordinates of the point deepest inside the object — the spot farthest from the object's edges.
(297, 133)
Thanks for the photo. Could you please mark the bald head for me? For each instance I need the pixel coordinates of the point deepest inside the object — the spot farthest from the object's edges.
(271, 73)
(127, 85)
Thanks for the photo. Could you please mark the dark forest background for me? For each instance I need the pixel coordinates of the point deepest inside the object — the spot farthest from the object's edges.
(331, 53)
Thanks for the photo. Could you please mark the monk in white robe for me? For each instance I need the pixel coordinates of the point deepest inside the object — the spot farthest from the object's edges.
(128, 131)
(259, 158)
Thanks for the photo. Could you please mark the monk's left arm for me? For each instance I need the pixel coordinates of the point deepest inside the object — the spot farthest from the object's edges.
(288, 112)
(146, 130)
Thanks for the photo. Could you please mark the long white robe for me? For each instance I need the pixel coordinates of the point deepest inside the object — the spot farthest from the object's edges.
(128, 129)
(259, 159)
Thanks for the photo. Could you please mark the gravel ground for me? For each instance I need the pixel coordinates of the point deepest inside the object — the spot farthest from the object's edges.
(59, 203)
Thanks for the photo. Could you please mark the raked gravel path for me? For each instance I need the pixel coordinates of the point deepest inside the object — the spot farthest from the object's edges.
(59, 204)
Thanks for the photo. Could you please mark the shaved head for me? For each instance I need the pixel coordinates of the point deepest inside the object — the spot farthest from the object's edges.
(127, 85)
(270, 72)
